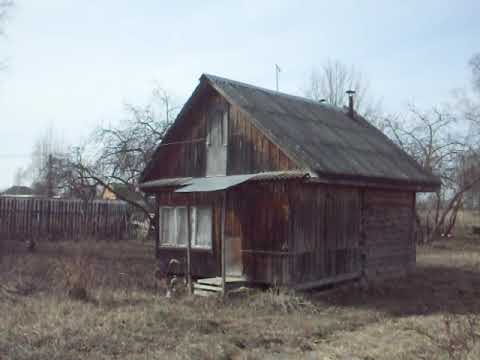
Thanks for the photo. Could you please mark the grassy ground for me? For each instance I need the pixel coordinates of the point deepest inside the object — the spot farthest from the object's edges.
(429, 315)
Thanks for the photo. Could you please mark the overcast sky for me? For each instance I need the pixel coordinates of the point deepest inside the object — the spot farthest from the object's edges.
(72, 64)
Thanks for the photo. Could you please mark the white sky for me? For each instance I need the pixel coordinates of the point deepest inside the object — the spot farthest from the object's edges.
(72, 64)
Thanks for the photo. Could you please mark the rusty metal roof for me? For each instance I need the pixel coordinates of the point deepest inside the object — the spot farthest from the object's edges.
(323, 138)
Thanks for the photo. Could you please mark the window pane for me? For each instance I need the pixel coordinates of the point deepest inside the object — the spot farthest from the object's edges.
(182, 226)
(167, 221)
(203, 234)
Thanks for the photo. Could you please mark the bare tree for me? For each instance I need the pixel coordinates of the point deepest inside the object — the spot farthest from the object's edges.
(19, 176)
(432, 138)
(467, 106)
(46, 167)
(468, 102)
(52, 169)
(124, 149)
(474, 64)
(333, 79)
(5, 5)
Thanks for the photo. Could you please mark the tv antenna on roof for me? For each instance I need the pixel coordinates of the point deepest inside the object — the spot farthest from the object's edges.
(277, 71)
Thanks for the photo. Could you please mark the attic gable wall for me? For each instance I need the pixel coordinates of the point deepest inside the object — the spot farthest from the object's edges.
(183, 152)
(248, 150)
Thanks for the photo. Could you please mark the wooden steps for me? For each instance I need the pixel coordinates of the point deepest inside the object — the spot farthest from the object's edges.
(213, 286)
(207, 287)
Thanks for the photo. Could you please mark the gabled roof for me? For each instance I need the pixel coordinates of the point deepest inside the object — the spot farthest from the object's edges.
(322, 137)
(318, 137)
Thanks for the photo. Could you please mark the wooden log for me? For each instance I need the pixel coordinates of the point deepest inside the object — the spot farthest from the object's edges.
(327, 281)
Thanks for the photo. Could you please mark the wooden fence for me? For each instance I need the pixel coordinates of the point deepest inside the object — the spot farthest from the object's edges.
(56, 219)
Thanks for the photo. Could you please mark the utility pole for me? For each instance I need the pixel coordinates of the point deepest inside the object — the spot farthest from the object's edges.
(49, 193)
(277, 71)
(50, 176)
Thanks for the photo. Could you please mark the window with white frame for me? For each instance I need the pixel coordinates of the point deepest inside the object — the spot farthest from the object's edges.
(173, 226)
(217, 128)
(201, 227)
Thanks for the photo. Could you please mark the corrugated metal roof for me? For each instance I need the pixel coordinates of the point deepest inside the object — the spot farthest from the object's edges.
(281, 175)
(170, 182)
(323, 138)
(216, 183)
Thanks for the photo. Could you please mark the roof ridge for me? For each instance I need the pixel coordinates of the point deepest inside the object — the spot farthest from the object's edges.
(270, 91)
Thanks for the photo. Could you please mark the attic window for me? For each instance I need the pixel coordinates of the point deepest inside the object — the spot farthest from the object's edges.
(217, 133)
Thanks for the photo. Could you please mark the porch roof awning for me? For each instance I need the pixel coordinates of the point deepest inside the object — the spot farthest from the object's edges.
(215, 183)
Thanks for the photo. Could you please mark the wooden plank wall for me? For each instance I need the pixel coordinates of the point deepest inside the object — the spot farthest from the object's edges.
(294, 233)
(249, 151)
(389, 227)
(186, 154)
(56, 219)
(326, 229)
(204, 262)
(259, 215)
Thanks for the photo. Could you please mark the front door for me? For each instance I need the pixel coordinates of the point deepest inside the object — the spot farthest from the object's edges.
(217, 133)
(233, 256)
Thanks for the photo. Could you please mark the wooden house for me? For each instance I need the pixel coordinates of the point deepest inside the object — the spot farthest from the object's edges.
(263, 187)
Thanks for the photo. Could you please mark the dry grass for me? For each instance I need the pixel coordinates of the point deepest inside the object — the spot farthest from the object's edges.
(125, 317)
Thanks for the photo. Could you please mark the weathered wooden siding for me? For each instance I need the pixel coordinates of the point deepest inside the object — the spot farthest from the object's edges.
(256, 213)
(259, 214)
(186, 154)
(250, 151)
(326, 232)
(388, 229)
(294, 233)
(204, 262)
(58, 219)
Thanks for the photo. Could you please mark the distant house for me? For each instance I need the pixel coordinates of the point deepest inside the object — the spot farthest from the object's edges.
(282, 190)
(17, 190)
(118, 191)
(122, 192)
(107, 194)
